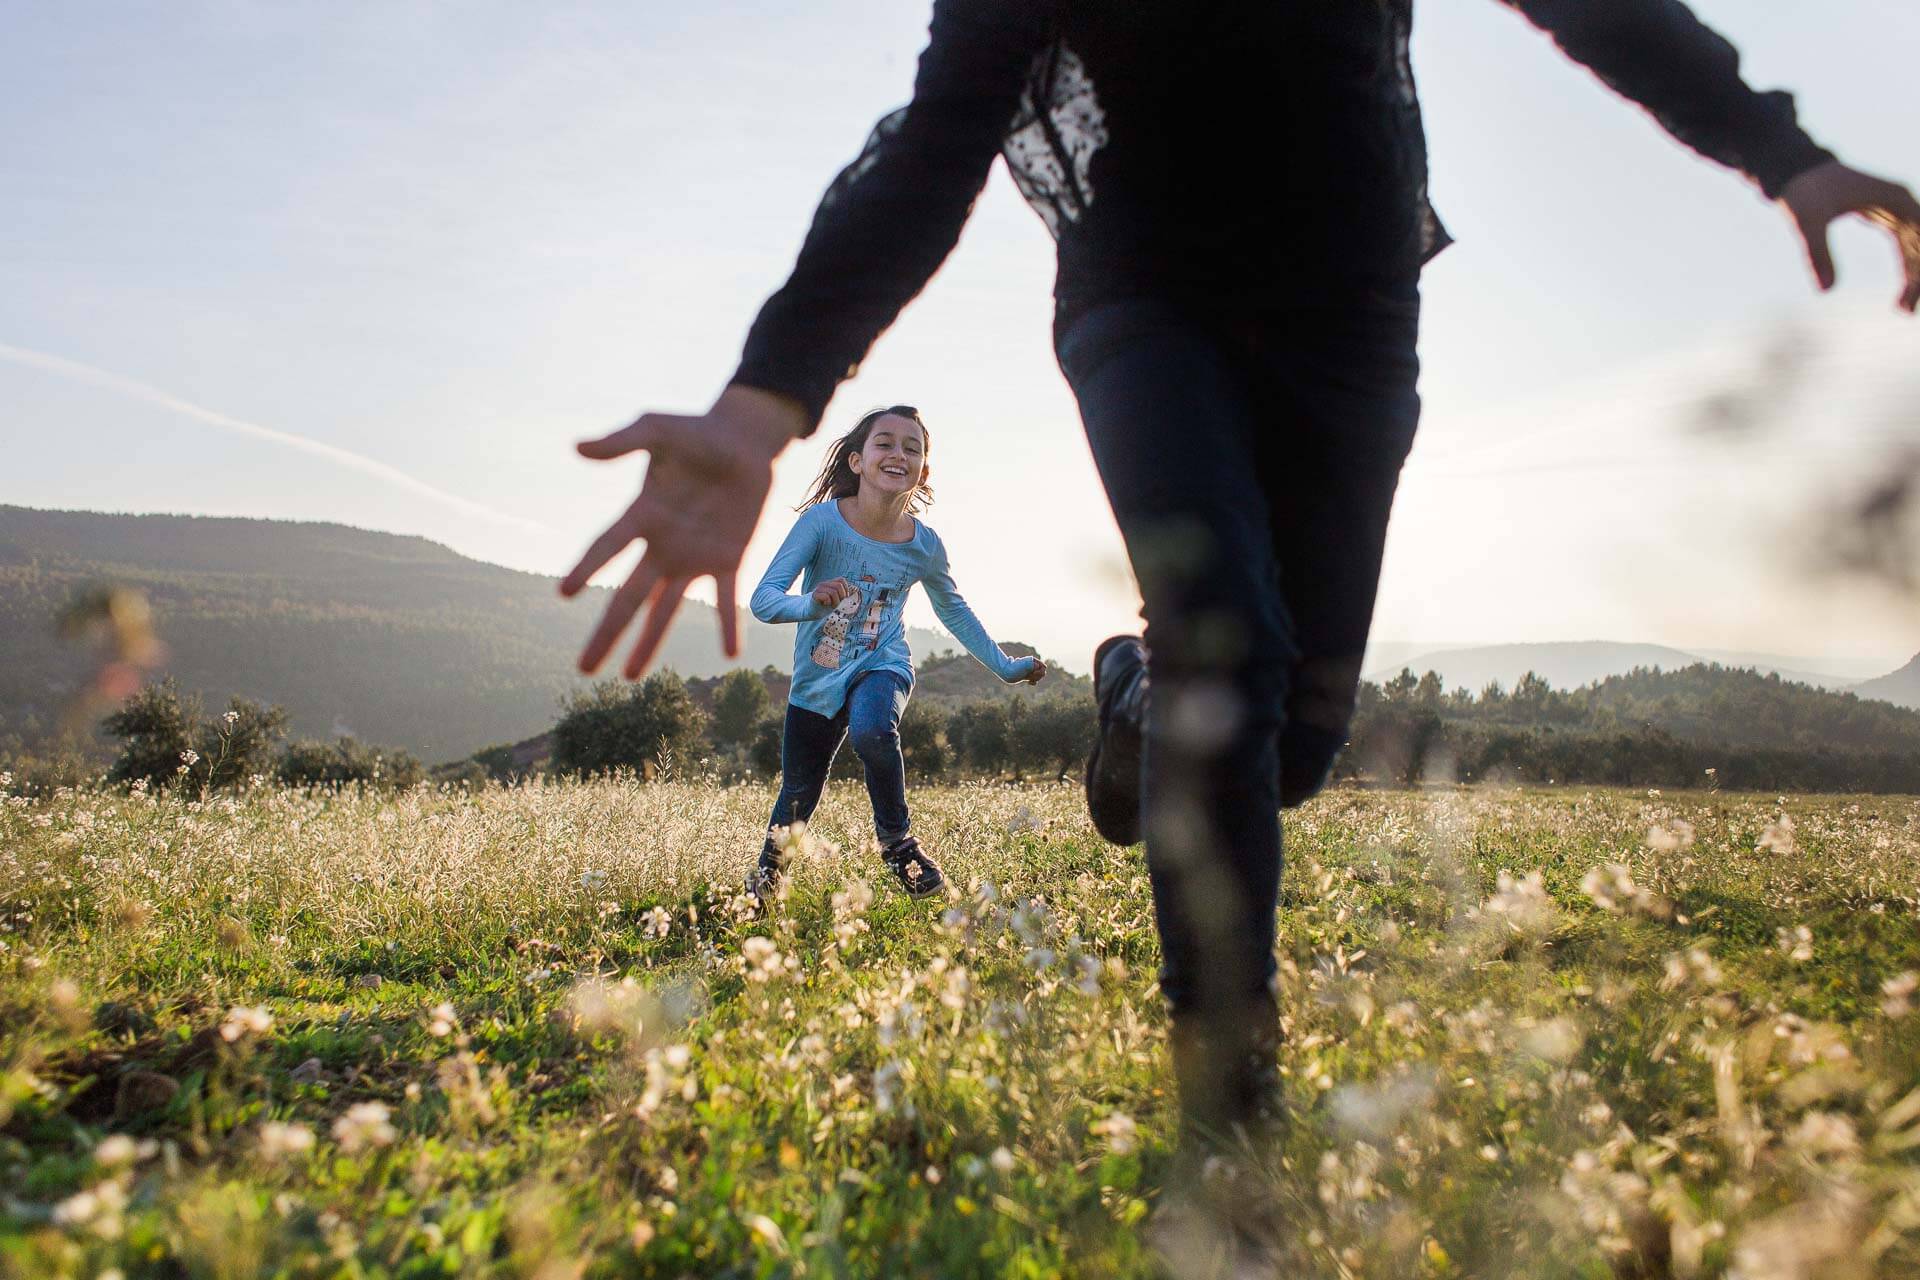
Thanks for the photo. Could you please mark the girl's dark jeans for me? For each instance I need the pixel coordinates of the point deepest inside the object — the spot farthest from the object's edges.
(871, 717)
(1251, 464)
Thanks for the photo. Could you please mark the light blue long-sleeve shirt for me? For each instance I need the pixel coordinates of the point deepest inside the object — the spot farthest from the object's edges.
(865, 633)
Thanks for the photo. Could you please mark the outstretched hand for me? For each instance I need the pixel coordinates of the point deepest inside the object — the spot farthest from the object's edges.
(707, 480)
(1832, 190)
(1036, 673)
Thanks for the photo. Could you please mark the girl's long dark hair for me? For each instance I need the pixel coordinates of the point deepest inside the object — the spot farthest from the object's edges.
(837, 479)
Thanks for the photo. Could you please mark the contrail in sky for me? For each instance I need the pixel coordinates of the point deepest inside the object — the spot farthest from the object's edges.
(78, 372)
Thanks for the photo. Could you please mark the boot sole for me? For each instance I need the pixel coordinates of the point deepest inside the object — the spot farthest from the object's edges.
(1113, 776)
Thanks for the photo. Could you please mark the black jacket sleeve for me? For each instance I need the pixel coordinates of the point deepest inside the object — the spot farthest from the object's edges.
(1658, 54)
(892, 216)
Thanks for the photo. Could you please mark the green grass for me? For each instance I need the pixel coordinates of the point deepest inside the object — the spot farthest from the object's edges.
(588, 1065)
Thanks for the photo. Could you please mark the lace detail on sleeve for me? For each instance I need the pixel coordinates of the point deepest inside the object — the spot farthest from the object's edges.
(1050, 148)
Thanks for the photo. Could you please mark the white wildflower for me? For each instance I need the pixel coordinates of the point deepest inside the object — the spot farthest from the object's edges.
(1777, 837)
(1796, 942)
(761, 959)
(245, 1020)
(1086, 978)
(117, 1149)
(278, 1141)
(886, 1088)
(1522, 905)
(1612, 888)
(366, 1124)
(1898, 991)
(1121, 1133)
(1667, 837)
(1822, 1134)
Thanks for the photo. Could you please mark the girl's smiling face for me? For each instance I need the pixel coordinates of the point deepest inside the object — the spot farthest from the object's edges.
(894, 459)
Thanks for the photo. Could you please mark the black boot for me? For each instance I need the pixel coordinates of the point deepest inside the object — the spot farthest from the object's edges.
(1228, 1068)
(1219, 1215)
(1113, 766)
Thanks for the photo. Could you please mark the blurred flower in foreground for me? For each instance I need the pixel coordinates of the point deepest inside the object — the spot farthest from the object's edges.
(366, 1124)
(243, 1020)
(118, 623)
(279, 1141)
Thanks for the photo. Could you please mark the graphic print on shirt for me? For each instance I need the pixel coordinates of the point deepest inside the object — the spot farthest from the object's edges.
(882, 600)
(833, 632)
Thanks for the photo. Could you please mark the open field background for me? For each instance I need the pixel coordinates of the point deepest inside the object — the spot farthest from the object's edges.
(532, 1031)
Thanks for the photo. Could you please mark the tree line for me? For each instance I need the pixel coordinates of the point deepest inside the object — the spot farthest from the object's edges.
(730, 726)
(1702, 726)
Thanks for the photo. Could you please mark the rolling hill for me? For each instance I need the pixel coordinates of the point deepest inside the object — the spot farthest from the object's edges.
(1902, 687)
(393, 639)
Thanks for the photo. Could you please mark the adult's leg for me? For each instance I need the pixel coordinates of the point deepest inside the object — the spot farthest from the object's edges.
(1347, 378)
(874, 706)
(1173, 432)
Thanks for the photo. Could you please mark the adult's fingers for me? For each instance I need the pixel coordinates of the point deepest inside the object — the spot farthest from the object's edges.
(641, 519)
(648, 431)
(619, 612)
(1813, 230)
(660, 610)
(603, 548)
(723, 588)
(1900, 212)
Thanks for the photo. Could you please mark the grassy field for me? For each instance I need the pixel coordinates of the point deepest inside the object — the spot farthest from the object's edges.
(1549, 1033)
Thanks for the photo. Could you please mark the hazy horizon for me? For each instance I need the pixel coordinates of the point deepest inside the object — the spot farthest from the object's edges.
(1383, 652)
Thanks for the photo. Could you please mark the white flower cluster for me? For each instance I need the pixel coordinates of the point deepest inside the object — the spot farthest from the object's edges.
(762, 961)
(280, 1141)
(1777, 837)
(1612, 888)
(245, 1020)
(1670, 836)
(1522, 906)
(365, 1124)
(666, 1077)
(850, 914)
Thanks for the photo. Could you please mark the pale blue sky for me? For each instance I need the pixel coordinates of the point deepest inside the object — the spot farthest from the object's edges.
(448, 239)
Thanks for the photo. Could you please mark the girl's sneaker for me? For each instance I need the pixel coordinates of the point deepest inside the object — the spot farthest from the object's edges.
(918, 874)
(763, 882)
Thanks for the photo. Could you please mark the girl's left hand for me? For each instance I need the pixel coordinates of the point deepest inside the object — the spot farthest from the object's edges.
(1036, 673)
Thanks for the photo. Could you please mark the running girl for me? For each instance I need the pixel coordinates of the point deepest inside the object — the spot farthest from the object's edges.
(861, 550)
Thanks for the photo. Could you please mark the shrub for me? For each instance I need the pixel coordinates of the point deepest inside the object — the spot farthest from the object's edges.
(616, 725)
(347, 761)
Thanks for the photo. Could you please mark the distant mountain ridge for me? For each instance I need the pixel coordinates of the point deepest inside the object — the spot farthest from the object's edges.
(1572, 664)
(395, 639)
(1902, 687)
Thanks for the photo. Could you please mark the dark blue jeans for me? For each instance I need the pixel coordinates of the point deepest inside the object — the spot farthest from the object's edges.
(871, 717)
(1251, 464)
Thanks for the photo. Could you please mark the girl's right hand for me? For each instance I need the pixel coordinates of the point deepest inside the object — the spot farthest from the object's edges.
(830, 593)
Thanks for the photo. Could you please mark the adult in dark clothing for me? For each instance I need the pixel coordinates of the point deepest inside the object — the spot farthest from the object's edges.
(1238, 190)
